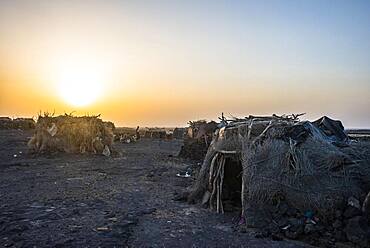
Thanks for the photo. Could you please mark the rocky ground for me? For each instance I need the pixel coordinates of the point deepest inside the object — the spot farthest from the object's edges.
(128, 200)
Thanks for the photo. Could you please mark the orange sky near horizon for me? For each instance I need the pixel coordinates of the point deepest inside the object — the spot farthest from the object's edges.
(163, 65)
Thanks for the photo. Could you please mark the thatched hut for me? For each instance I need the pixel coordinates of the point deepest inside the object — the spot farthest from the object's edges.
(261, 160)
(6, 123)
(24, 123)
(155, 133)
(17, 123)
(179, 133)
(70, 134)
(197, 138)
(158, 134)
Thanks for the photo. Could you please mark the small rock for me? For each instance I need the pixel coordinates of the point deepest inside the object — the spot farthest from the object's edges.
(353, 202)
(291, 235)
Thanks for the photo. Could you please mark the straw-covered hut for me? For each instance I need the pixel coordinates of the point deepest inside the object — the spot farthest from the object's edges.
(263, 160)
(71, 134)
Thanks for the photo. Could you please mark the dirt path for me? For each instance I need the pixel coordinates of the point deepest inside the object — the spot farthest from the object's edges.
(92, 201)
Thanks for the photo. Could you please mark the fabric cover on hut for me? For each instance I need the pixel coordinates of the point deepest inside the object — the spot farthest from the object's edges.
(276, 157)
(70, 134)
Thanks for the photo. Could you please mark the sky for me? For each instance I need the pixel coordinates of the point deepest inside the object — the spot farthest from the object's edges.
(163, 63)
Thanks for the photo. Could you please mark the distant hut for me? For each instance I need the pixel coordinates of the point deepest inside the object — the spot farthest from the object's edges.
(179, 133)
(197, 139)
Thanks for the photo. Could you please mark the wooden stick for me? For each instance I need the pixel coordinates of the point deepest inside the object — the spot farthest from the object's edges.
(222, 182)
(213, 188)
(218, 196)
(227, 152)
(214, 185)
(211, 169)
(242, 196)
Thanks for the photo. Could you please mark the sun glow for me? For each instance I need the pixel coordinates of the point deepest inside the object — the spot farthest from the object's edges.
(80, 84)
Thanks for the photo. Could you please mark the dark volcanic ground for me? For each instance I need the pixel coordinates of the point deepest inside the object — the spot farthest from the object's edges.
(92, 201)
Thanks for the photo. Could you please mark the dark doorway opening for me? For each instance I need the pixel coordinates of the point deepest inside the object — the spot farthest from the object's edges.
(232, 185)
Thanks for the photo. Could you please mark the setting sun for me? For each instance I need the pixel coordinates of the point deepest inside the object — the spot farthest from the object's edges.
(80, 85)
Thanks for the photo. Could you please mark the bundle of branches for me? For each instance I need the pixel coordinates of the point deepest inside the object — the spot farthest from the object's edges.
(71, 134)
(281, 157)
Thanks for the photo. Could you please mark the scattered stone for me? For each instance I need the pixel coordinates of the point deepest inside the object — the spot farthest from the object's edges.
(291, 235)
(354, 202)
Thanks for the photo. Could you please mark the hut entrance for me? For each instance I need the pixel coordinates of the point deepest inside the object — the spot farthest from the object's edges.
(232, 185)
